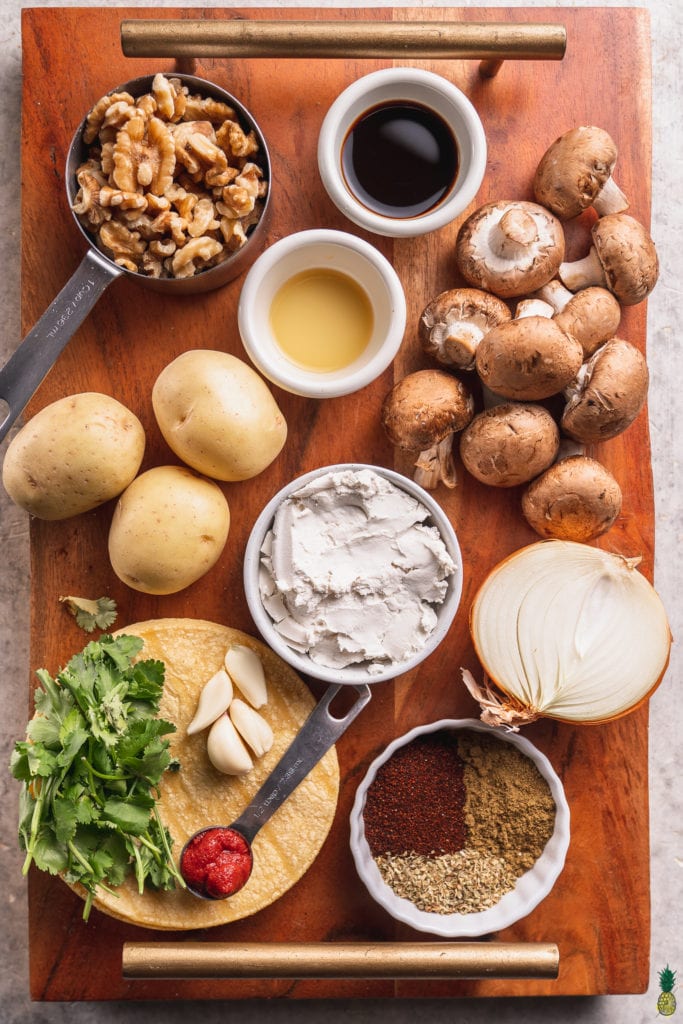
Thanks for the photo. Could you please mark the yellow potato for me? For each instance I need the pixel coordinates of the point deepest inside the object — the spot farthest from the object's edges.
(218, 415)
(73, 455)
(169, 528)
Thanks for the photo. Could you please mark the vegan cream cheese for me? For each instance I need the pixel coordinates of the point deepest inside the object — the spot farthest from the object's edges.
(352, 571)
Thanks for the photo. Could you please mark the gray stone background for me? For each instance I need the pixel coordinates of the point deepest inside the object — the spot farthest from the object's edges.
(665, 315)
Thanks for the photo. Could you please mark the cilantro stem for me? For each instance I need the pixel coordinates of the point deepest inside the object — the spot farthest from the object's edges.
(139, 869)
(146, 841)
(36, 818)
(92, 786)
(103, 775)
(87, 907)
(91, 896)
(79, 857)
(167, 849)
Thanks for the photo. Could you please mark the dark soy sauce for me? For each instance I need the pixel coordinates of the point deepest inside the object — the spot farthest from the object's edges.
(400, 159)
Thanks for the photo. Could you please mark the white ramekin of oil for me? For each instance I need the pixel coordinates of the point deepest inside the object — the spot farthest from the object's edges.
(321, 313)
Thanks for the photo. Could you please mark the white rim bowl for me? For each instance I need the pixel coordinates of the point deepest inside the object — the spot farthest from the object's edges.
(530, 888)
(408, 84)
(351, 675)
(331, 250)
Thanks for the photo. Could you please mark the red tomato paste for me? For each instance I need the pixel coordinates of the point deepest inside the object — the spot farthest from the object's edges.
(216, 862)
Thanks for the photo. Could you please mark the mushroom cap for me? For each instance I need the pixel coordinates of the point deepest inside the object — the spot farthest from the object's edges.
(452, 324)
(575, 499)
(574, 169)
(510, 247)
(608, 393)
(528, 359)
(509, 444)
(425, 407)
(592, 316)
(628, 256)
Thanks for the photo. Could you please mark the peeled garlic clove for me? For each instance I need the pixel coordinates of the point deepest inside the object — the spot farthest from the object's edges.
(213, 701)
(246, 671)
(252, 727)
(226, 751)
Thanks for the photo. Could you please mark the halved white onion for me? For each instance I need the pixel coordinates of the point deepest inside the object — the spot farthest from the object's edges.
(568, 631)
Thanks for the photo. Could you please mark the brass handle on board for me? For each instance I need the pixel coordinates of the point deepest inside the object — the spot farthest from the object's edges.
(428, 960)
(489, 42)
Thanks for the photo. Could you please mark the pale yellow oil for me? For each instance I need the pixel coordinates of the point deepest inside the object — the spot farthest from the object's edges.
(321, 319)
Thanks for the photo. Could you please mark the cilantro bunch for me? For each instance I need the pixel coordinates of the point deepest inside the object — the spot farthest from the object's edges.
(90, 766)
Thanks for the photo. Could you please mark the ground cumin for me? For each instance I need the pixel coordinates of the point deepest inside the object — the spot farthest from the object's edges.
(493, 813)
(509, 809)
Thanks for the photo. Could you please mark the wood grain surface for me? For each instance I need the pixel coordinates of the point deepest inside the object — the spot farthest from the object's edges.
(598, 911)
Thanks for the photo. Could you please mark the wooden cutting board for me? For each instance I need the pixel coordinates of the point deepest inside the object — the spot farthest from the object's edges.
(598, 912)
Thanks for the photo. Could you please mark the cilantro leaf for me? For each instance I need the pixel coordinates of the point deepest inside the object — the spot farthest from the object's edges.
(48, 853)
(100, 614)
(131, 815)
(65, 819)
(72, 736)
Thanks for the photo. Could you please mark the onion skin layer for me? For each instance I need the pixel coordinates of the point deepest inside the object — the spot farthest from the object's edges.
(512, 702)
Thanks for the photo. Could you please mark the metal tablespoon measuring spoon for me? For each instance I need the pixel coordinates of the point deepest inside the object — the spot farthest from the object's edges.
(226, 849)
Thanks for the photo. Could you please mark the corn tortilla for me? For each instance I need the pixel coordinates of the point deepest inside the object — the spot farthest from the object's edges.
(197, 795)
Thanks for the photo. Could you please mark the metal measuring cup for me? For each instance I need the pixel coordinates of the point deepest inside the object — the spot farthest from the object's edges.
(37, 353)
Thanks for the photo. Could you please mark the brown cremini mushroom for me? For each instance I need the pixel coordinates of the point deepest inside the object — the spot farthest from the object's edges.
(528, 358)
(509, 444)
(608, 393)
(592, 315)
(421, 413)
(575, 172)
(509, 248)
(622, 258)
(452, 325)
(575, 499)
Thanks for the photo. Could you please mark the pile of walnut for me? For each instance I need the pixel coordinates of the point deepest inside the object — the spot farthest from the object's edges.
(556, 338)
(170, 187)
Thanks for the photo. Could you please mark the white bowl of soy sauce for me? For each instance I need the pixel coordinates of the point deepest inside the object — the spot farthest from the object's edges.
(402, 152)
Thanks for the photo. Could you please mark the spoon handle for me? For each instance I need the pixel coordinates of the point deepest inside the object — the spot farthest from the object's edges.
(318, 733)
(24, 372)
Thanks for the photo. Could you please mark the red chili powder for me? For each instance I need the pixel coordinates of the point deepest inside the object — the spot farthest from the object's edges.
(416, 801)
(216, 862)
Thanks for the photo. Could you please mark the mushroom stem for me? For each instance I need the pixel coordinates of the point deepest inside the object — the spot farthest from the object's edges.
(569, 447)
(533, 307)
(610, 199)
(436, 465)
(490, 399)
(460, 346)
(556, 294)
(514, 233)
(583, 273)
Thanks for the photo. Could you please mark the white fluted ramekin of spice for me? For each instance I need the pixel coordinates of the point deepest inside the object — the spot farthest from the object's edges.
(460, 829)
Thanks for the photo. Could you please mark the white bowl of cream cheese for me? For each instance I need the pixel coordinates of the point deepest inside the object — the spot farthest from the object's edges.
(353, 574)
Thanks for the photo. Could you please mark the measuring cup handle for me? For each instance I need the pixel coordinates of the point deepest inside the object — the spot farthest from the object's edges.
(318, 733)
(23, 373)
